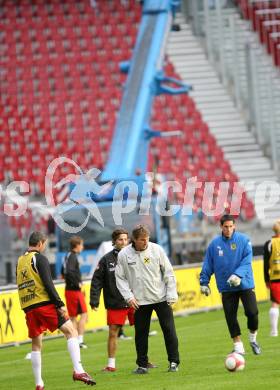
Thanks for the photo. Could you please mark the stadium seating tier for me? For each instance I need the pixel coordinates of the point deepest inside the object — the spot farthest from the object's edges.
(61, 89)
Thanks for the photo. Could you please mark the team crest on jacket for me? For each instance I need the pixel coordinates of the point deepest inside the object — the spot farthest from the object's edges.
(146, 260)
(233, 246)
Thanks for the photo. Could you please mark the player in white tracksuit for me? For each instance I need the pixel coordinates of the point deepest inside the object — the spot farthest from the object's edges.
(146, 280)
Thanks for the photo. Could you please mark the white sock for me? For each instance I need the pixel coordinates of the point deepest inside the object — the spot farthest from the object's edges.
(253, 337)
(273, 317)
(239, 347)
(75, 353)
(81, 338)
(37, 367)
(112, 362)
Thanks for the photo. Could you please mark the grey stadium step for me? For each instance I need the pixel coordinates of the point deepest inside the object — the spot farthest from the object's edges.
(217, 107)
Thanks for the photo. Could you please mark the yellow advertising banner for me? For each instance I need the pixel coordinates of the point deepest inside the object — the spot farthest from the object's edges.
(190, 298)
(12, 319)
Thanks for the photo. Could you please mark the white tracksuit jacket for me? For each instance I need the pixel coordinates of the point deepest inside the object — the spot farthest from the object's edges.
(146, 275)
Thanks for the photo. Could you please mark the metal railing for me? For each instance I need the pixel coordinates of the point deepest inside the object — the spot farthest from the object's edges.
(244, 68)
(8, 267)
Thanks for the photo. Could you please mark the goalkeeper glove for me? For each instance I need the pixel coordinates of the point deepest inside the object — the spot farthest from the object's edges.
(205, 290)
(234, 281)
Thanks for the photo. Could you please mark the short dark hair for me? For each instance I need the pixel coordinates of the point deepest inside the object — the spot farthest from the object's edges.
(227, 217)
(74, 241)
(116, 233)
(276, 227)
(36, 237)
(140, 230)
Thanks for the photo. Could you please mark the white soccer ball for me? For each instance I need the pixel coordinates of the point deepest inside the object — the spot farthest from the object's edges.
(234, 362)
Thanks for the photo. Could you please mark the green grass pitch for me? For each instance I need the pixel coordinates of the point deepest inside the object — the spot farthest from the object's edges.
(203, 340)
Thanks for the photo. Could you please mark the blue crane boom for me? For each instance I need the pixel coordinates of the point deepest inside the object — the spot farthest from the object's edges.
(129, 149)
(128, 154)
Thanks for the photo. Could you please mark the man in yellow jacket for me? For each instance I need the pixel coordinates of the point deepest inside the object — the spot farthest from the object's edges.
(271, 257)
(44, 309)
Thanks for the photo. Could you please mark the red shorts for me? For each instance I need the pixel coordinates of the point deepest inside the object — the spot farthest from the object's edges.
(75, 302)
(118, 316)
(275, 292)
(44, 318)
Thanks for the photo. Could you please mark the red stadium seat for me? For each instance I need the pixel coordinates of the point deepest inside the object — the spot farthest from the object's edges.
(64, 58)
(265, 17)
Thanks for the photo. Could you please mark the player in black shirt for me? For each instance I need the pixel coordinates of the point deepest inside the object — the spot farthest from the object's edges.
(117, 308)
(75, 299)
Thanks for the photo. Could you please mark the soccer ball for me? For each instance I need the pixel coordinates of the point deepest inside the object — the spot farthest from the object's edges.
(234, 362)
